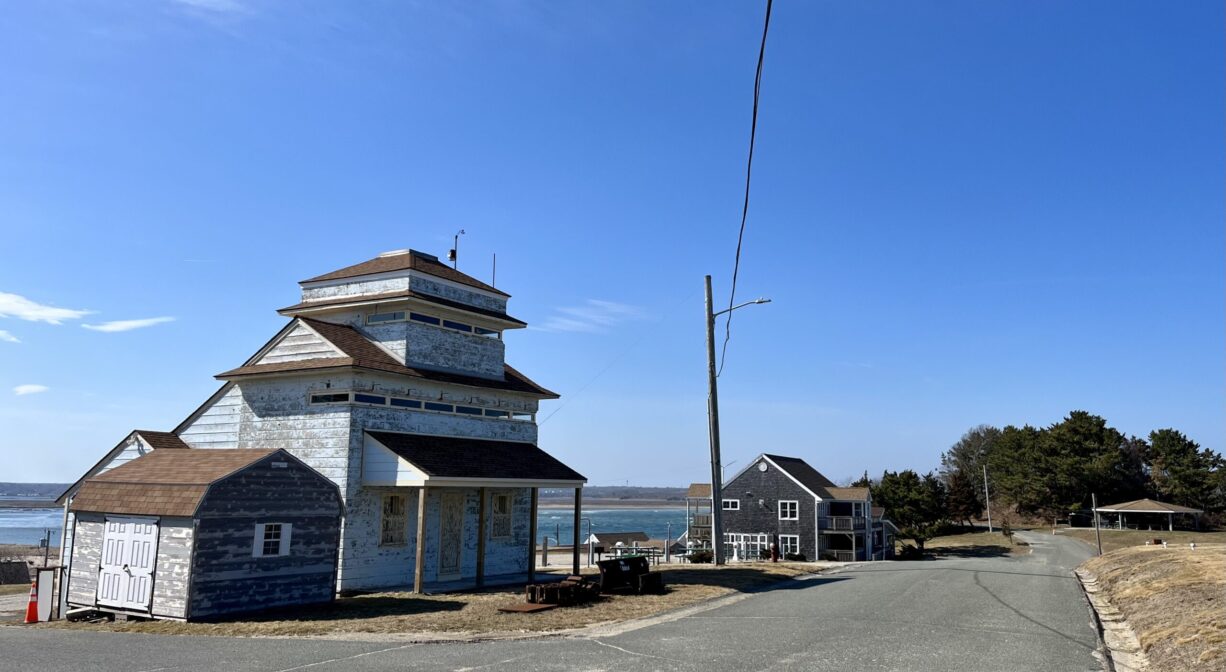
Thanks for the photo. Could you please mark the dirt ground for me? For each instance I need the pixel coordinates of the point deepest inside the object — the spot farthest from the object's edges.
(1174, 599)
(474, 613)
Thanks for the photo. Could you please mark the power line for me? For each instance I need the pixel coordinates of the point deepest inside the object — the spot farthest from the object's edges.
(753, 132)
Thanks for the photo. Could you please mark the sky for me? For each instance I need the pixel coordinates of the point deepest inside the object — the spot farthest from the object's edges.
(963, 212)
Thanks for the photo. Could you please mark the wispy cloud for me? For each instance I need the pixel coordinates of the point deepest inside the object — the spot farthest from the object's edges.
(128, 325)
(594, 316)
(8, 338)
(22, 390)
(15, 305)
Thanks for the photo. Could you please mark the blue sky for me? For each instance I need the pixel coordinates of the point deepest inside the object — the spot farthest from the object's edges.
(964, 212)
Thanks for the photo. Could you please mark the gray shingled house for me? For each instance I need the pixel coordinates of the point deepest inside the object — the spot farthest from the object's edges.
(193, 534)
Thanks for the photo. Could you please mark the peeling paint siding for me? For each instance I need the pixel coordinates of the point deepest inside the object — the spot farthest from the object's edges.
(391, 335)
(297, 345)
(434, 288)
(217, 426)
(510, 556)
(132, 449)
(275, 414)
(428, 390)
(439, 424)
(86, 559)
(173, 569)
(356, 288)
(449, 350)
(366, 564)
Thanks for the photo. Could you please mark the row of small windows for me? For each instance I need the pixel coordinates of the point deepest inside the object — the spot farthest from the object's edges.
(416, 404)
(401, 316)
(789, 509)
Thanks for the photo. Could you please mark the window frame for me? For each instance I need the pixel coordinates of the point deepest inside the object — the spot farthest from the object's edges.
(793, 505)
(784, 544)
(504, 519)
(730, 504)
(260, 540)
(385, 518)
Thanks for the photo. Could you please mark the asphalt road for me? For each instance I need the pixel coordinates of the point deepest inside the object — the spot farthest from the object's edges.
(973, 614)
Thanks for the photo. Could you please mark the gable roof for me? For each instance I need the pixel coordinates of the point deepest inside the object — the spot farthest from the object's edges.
(800, 470)
(855, 494)
(401, 294)
(455, 457)
(1146, 506)
(412, 260)
(163, 482)
(698, 490)
(360, 352)
(154, 440)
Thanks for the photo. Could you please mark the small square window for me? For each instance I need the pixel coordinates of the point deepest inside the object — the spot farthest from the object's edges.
(435, 406)
(789, 543)
(369, 399)
(468, 410)
(789, 509)
(330, 398)
(271, 539)
(732, 504)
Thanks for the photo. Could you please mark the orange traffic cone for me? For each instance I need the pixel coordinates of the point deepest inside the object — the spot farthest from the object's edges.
(32, 608)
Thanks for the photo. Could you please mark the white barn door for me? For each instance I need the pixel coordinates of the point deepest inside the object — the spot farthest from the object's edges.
(129, 554)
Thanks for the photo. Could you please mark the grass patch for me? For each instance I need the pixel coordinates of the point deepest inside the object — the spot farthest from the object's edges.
(472, 613)
(975, 544)
(1117, 539)
(1174, 599)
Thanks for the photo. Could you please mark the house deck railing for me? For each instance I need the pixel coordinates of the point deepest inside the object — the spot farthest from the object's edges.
(703, 520)
(837, 523)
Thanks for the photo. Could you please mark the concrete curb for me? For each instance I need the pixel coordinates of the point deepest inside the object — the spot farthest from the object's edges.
(1121, 647)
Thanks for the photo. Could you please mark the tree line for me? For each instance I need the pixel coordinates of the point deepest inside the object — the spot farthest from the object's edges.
(1051, 472)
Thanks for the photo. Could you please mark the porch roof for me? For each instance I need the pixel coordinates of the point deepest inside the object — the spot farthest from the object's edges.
(445, 458)
(1146, 506)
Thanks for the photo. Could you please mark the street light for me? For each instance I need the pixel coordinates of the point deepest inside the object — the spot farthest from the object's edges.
(717, 477)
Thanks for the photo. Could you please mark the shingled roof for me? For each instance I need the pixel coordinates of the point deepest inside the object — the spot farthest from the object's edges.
(1146, 506)
(848, 493)
(360, 352)
(163, 482)
(397, 295)
(801, 471)
(405, 261)
(698, 490)
(155, 440)
(454, 457)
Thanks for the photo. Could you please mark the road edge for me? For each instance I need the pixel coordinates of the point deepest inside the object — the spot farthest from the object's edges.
(1118, 642)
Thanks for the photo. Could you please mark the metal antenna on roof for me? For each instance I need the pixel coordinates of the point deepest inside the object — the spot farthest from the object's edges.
(455, 247)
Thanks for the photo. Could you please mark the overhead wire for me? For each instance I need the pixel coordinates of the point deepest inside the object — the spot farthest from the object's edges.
(753, 132)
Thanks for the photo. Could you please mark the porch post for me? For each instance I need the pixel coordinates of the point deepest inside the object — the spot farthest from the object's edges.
(481, 522)
(1170, 522)
(532, 538)
(574, 565)
(419, 566)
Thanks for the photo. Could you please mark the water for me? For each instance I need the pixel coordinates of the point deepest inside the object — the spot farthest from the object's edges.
(26, 526)
(652, 521)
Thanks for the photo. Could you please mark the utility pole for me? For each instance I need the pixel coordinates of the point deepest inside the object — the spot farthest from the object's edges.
(1097, 534)
(717, 476)
(986, 500)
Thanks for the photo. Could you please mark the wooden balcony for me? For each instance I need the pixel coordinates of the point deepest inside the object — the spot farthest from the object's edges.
(841, 523)
(700, 520)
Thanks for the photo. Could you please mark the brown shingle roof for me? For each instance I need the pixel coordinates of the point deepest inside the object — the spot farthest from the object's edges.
(362, 353)
(154, 439)
(453, 457)
(848, 493)
(403, 294)
(699, 490)
(1147, 506)
(160, 440)
(411, 260)
(163, 482)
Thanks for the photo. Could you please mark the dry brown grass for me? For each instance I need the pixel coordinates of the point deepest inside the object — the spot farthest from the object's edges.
(973, 544)
(1174, 599)
(472, 613)
(1117, 539)
(22, 588)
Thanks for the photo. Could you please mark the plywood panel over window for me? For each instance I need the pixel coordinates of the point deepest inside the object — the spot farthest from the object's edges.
(500, 520)
(394, 530)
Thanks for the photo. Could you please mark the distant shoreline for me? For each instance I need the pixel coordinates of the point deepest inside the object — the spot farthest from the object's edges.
(28, 504)
(614, 504)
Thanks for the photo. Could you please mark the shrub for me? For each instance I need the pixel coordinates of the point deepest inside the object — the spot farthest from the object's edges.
(794, 557)
(703, 556)
(909, 552)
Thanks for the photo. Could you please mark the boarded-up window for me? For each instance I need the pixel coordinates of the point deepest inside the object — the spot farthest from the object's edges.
(500, 521)
(394, 521)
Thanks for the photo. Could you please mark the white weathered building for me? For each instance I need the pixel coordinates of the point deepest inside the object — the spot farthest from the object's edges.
(390, 379)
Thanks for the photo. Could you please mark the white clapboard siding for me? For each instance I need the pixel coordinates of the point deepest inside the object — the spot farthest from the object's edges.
(299, 344)
(217, 425)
